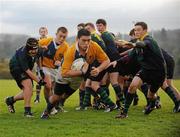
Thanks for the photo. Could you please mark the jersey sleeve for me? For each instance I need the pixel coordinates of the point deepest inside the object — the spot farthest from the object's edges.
(60, 53)
(100, 54)
(45, 41)
(68, 60)
(21, 58)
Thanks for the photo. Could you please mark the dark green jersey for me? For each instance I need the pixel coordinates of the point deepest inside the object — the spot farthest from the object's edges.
(111, 49)
(96, 38)
(150, 56)
(22, 61)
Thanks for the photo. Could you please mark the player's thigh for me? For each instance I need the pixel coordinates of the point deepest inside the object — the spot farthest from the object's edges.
(135, 84)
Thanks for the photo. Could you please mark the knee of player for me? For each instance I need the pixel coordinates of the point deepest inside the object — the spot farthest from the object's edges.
(164, 85)
(132, 88)
(48, 85)
(95, 87)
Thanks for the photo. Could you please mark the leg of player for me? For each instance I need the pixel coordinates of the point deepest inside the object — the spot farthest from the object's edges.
(136, 82)
(47, 87)
(136, 99)
(27, 92)
(95, 85)
(144, 88)
(158, 102)
(38, 90)
(152, 100)
(105, 83)
(173, 95)
(11, 100)
(114, 81)
(86, 97)
(175, 90)
(50, 105)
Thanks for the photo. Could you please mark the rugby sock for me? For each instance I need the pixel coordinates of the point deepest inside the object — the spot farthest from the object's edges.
(47, 99)
(144, 89)
(49, 107)
(60, 103)
(27, 109)
(125, 90)
(93, 93)
(86, 97)
(106, 88)
(152, 102)
(11, 100)
(38, 89)
(81, 96)
(128, 101)
(105, 98)
(171, 94)
(119, 94)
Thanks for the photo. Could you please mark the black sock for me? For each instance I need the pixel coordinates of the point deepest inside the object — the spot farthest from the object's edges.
(81, 96)
(128, 101)
(49, 107)
(37, 97)
(27, 109)
(125, 90)
(144, 89)
(152, 102)
(106, 88)
(105, 98)
(12, 99)
(171, 94)
(93, 93)
(119, 94)
(60, 103)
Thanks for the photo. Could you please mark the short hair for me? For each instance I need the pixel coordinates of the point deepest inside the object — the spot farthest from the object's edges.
(83, 32)
(101, 21)
(142, 24)
(131, 33)
(42, 28)
(62, 29)
(81, 25)
(90, 24)
(31, 43)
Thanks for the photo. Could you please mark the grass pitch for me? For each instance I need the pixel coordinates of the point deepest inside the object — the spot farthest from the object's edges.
(90, 123)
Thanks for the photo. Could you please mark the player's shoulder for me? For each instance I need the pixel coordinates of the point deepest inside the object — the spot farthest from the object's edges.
(71, 49)
(65, 43)
(45, 41)
(92, 43)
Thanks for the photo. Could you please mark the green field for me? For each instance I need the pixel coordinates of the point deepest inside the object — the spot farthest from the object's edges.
(90, 123)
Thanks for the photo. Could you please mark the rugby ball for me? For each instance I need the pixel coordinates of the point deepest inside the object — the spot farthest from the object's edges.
(78, 64)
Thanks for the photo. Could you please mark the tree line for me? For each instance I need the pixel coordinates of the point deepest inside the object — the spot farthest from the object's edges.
(169, 40)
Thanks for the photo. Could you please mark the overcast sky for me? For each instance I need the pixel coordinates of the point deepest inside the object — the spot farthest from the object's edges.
(26, 16)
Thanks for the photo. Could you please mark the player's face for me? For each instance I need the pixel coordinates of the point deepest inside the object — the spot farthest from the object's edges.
(61, 37)
(83, 42)
(100, 27)
(88, 28)
(33, 52)
(43, 33)
(139, 31)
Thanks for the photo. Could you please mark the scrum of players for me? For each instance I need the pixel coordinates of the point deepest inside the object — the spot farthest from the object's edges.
(129, 66)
